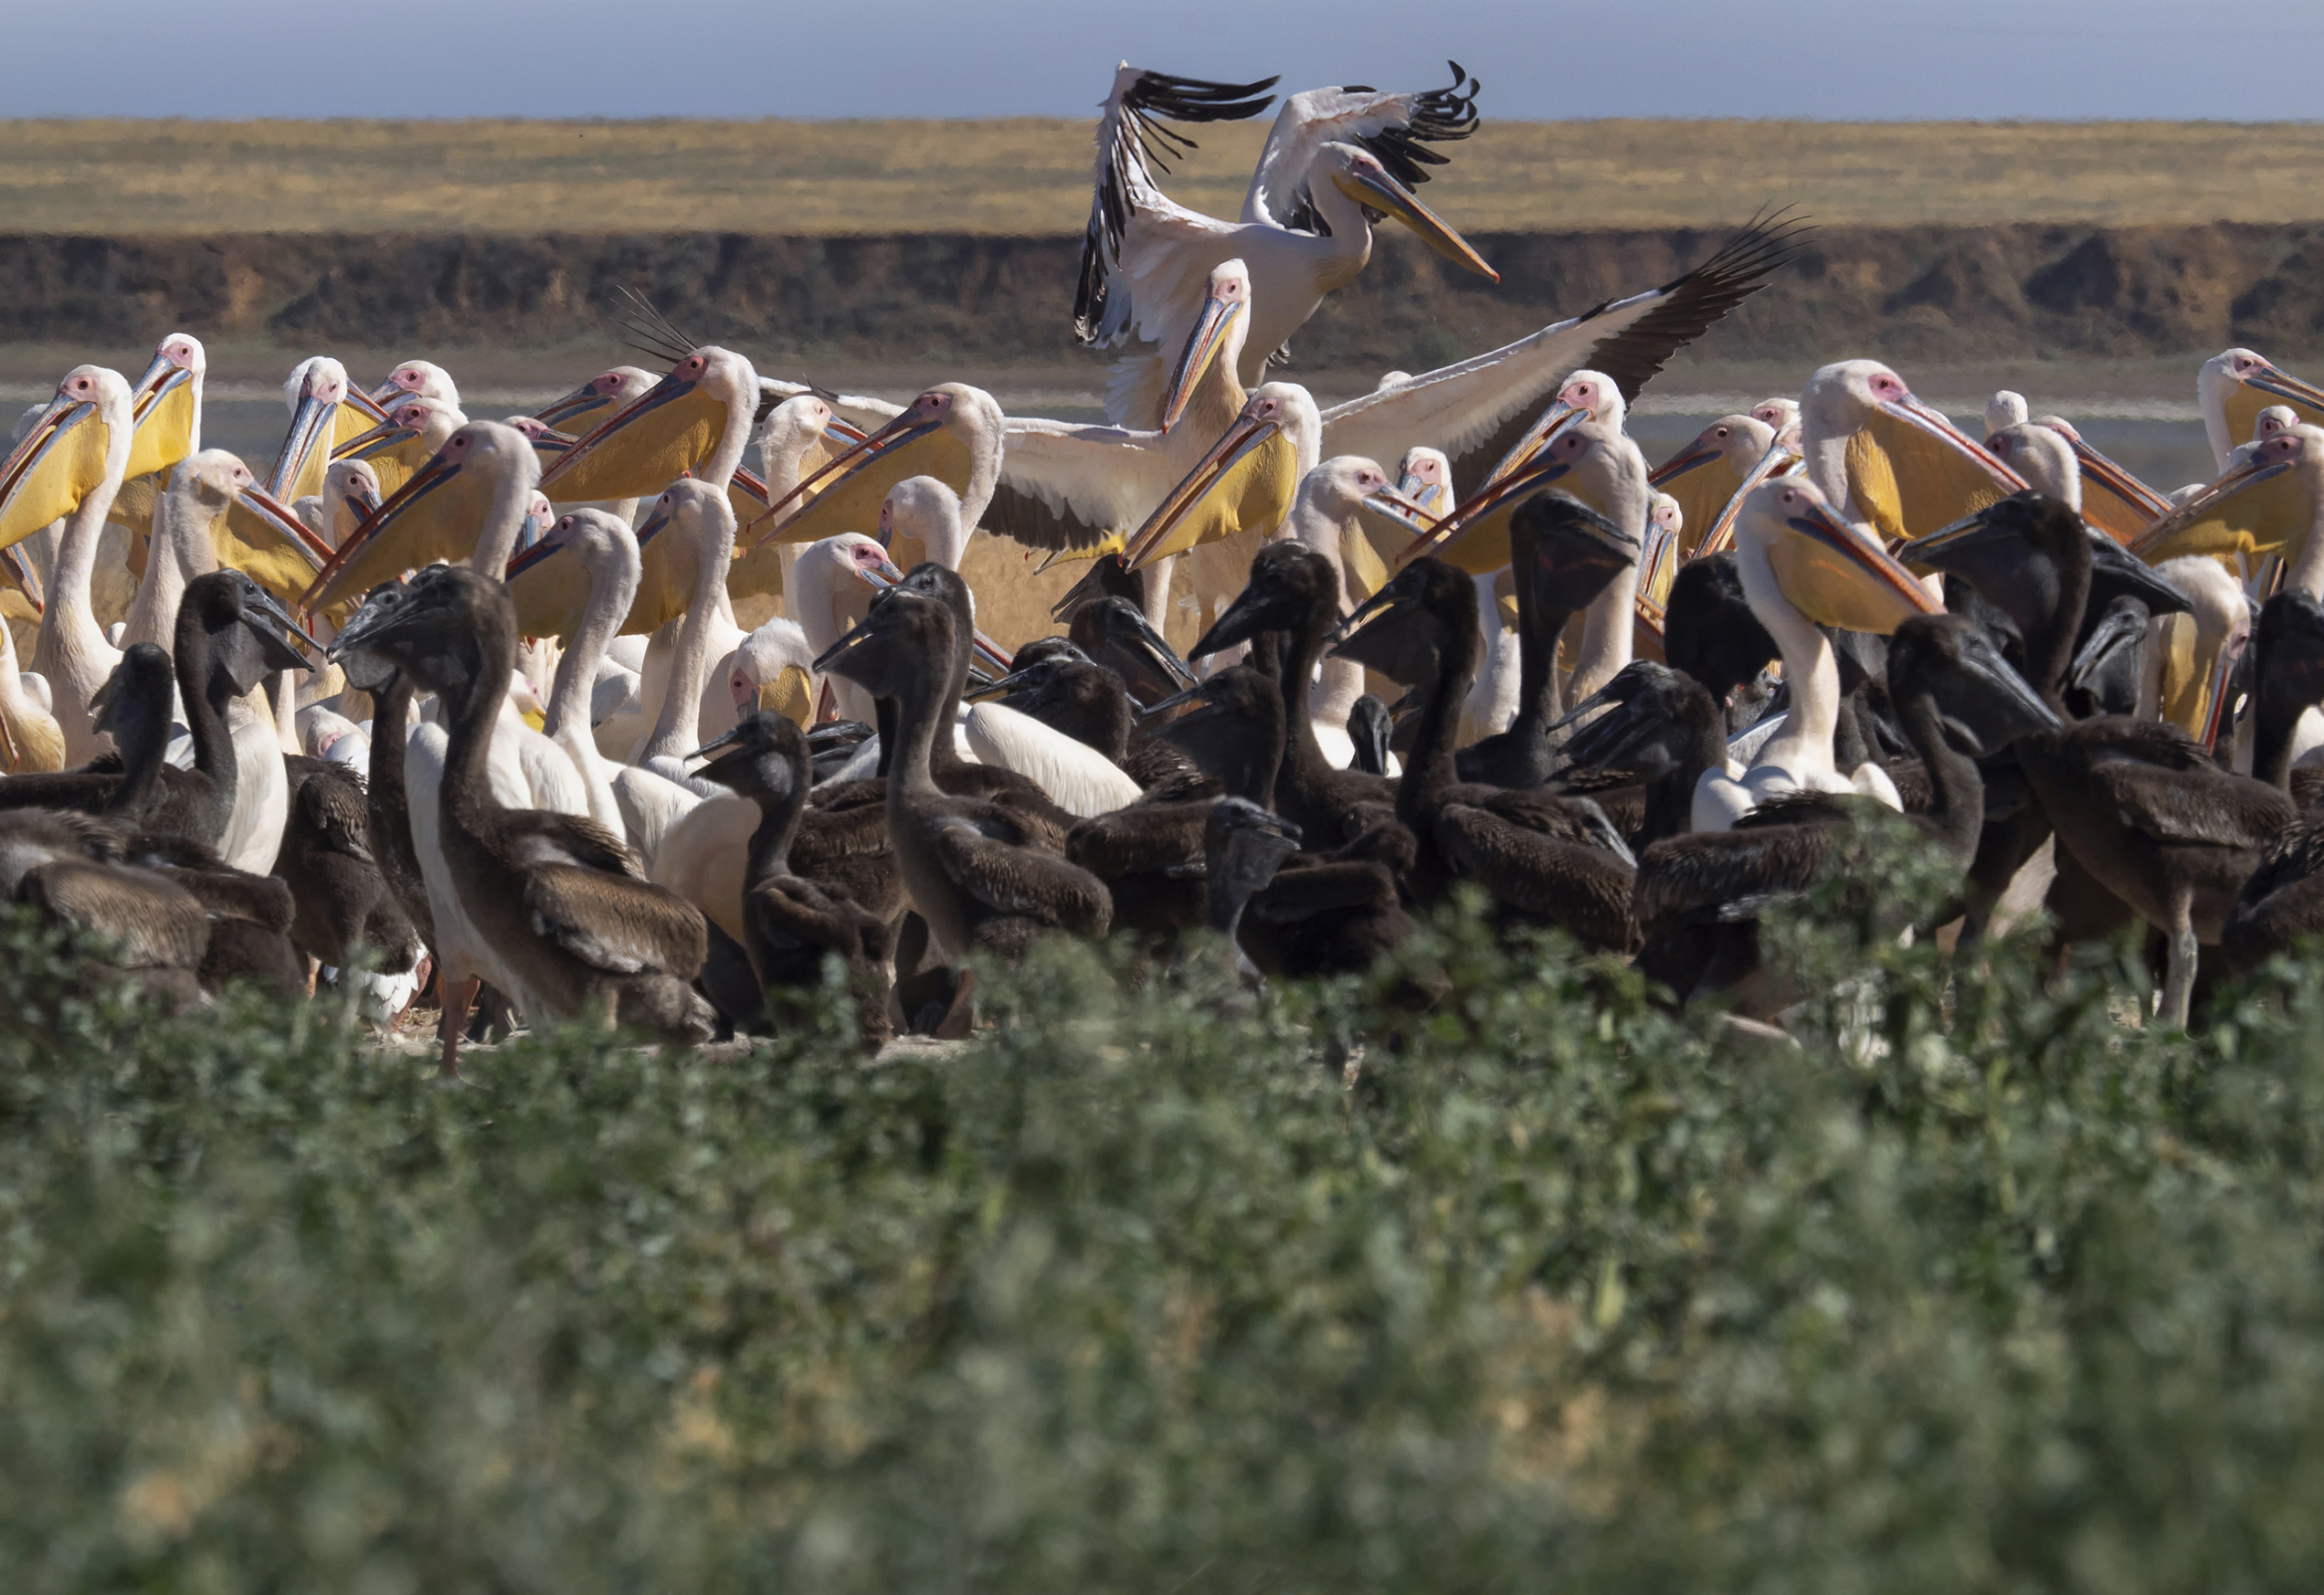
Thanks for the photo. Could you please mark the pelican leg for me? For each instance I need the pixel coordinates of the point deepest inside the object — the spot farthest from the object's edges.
(2186, 954)
(459, 997)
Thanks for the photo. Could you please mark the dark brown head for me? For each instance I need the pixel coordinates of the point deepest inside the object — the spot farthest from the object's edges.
(1289, 583)
(244, 634)
(764, 759)
(1572, 551)
(449, 628)
(1981, 701)
(1406, 628)
(1115, 633)
(904, 644)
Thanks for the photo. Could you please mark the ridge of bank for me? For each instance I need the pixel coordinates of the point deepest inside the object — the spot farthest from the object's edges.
(1949, 294)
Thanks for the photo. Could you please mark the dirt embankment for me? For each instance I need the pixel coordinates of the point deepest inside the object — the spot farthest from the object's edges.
(1904, 293)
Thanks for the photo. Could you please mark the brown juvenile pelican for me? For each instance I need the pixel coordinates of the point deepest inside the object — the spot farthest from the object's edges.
(1565, 555)
(1543, 860)
(70, 868)
(557, 915)
(229, 633)
(1663, 729)
(1699, 895)
(2282, 903)
(794, 923)
(1296, 591)
(966, 861)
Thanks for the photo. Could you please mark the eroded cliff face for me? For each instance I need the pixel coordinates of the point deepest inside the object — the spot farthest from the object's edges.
(1908, 294)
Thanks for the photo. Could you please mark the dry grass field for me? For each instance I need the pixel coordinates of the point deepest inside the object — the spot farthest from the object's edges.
(1030, 175)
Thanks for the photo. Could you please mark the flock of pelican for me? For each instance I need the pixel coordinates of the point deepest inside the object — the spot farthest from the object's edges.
(675, 691)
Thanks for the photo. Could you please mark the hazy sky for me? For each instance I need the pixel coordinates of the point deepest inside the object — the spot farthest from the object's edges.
(2246, 59)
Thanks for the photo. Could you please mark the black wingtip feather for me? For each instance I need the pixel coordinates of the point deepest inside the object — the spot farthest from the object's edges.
(1698, 299)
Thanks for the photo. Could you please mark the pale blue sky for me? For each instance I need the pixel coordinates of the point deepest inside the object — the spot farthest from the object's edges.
(2254, 60)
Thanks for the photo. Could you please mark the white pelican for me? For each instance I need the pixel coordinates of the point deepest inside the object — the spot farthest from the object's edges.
(1328, 514)
(1334, 156)
(69, 466)
(202, 487)
(420, 377)
(1602, 467)
(1236, 496)
(831, 589)
(31, 741)
(1879, 455)
(2235, 385)
(166, 409)
(1802, 566)
(1479, 410)
(1709, 471)
(414, 427)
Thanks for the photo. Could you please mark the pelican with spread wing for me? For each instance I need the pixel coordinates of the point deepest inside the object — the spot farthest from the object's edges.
(1337, 159)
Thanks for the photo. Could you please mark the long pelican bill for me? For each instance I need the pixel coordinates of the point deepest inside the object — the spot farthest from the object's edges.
(1911, 470)
(671, 428)
(264, 539)
(846, 492)
(393, 451)
(2255, 391)
(1554, 423)
(755, 572)
(1781, 460)
(2257, 507)
(1704, 483)
(1647, 633)
(306, 449)
(577, 411)
(1387, 520)
(1201, 354)
(1246, 480)
(2115, 502)
(665, 579)
(363, 410)
(17, 580)
(1475, 538)
(52, 469)
(163, 409)
(433, 515)
(1837, 576)
(1375, 187)
(551, 592)
(2215, 690)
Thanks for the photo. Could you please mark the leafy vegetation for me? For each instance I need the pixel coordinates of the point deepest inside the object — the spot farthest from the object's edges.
(1031, 174)
(1969, 1285)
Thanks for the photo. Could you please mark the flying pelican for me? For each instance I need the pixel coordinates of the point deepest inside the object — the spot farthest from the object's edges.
(1335, 157)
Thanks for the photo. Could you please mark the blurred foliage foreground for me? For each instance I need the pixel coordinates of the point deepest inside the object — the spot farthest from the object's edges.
(1974, 1286)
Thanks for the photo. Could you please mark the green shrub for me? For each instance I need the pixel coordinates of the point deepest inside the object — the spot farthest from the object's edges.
(1972, 1286)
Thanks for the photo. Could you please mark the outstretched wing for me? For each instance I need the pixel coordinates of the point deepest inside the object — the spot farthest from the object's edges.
(1067, 487)
(1396, 128)
(1133, 138)
(1475, 411)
